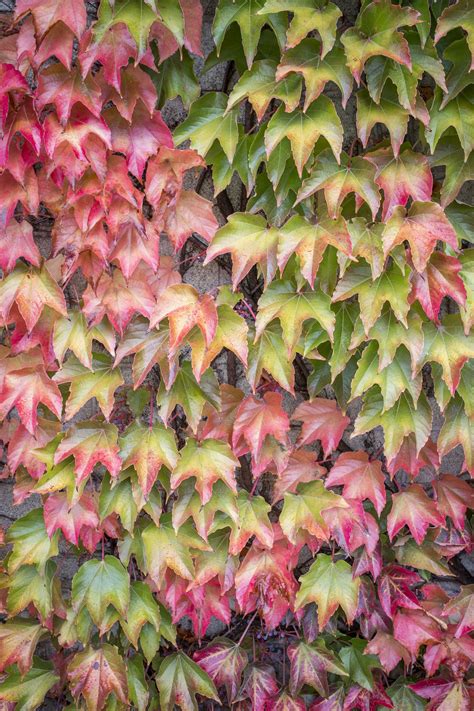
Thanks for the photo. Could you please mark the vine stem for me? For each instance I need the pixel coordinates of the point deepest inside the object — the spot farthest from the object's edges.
(247, 628)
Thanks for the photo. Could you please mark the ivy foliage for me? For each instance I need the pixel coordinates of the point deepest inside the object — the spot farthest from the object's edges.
(264, 486)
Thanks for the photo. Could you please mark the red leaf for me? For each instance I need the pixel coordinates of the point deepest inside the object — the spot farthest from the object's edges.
(59, 514)
(414, 509)
(58, 43)
(413, 628)
(389, 651)
(440, 278)
(47, 12)
(454, 496)
(113, 51)
(17, 241)
(361, 478)
(63, 89)
(259, 686)
(224, 661)
(139, 139)
(394, 591)
(257, 419)
(323, 420)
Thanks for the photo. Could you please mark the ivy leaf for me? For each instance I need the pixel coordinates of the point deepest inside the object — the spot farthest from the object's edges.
(98, 584)
(376, 33)
(143, 609)
(63, 88)
(31, 289)
(310, 241)
(139, 139)
(246, 14)
(163, 549)
(458, 15)
(179, 679)
(390, 652)
(94, 674)
(59, 514)
(250, 241)
(307, 17)
(462, 607)
(316, 69)
(189, 394)
(394, 591)
(147, 449)
(457, 171)
(101, 382)
(329, 584)
(304, 129)
(439, 279)
(310, 664)
(304, 511)
(185, 308)
(323, 420)
(388, 111)
(18, 640)
(73, 334)
(361, 478)
(413, 628)
(453, 497)
(359, 664)
(137, 15)
(391, 286)
(224, 661)
(285, 702)
(28, 586)
(138, 689)
(31, 543)
(458, 428)
(414, 509)
(207, 122)
(45, 15)
(293, 307)
(255, 420)
(206, 461)
(401, 177)
(26, 692)
(405, 699)
(261, 84)
(90, 443)
(269, 354)
(259, 686)
(400, 421)
(252, 521)
(422, 227)
(390, 334)
(352, 175)
(449, 346)
(454, 115)
(393, 380)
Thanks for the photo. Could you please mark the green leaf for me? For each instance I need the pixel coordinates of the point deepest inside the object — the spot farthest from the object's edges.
(268, 353)
(375, 33)
(351, 175)
(398, 422)
(98, 584)
(206, 461)
(27, 692)
(329, 584)
(208, 122)
(456, 114)
(138, 689)
(308, 16)
(163, 549)
(179, 679)
(304, 129)
(142, 609)
(316, 69)
(260, 85)
(245, 14)
(28, 585)
(31, 543)
(391, 286)
(292, 307)
(359, 665)
(189, 394)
